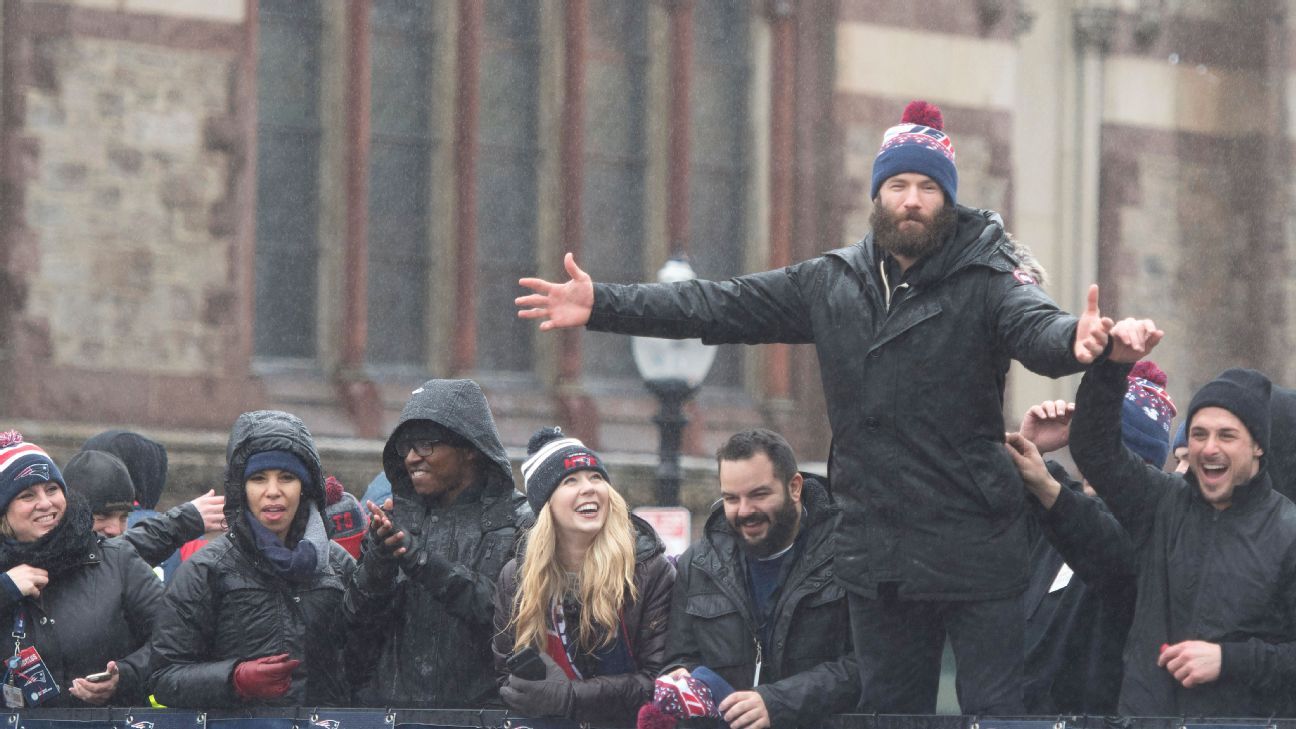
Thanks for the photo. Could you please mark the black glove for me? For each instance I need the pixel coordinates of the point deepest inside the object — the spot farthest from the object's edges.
(426, 567)
(552, 695)
(377, 564)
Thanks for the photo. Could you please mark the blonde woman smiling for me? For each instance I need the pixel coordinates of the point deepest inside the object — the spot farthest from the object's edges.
(586, 602)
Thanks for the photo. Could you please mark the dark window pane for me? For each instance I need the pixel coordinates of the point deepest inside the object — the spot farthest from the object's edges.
(512, 20)
(613, 195)
(506, 182)
(287, 252)
(400, 287)
(618, 26)
(717, 176)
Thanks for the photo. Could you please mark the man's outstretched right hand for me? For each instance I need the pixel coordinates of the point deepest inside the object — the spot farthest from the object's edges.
(560, 305)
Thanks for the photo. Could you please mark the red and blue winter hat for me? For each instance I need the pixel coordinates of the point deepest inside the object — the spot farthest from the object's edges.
(552, 457)
(23, 465)
(1146, 413)
(917, 144)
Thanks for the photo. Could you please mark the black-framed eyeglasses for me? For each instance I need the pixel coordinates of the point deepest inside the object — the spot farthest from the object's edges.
(422, 446)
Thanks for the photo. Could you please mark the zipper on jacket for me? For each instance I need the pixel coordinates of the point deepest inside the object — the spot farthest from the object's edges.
(759, 659)
(886, 283)
(1195, 625)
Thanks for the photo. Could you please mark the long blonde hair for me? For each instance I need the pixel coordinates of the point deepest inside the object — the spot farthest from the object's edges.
(606, 579)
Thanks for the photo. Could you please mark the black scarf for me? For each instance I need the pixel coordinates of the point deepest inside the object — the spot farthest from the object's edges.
(62, 549)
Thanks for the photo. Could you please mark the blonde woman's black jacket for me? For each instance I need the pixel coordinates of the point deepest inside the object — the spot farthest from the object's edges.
(613, 699)
(810, 671)
(1226, 577)
(914, 384)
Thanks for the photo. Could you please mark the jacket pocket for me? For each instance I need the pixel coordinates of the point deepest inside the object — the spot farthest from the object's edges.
(995, 480)
(720, 631)
(819, 631)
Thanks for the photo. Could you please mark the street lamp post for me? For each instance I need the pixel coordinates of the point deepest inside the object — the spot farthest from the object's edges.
(672, 370)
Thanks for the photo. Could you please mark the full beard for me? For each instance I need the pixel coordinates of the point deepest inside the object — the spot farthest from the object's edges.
(911, 244)
(782, 524)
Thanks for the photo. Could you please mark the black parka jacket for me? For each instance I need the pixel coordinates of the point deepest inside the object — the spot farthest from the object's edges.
(913, 374)
(1075, 632)
(226, 604)
(615, 698)
(811, 671)
(427, 635)
(102, 609)
(1225, 577)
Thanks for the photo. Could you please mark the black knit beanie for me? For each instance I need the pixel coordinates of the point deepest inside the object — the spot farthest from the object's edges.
(551, 457)
(102, 479)
(1243, 392)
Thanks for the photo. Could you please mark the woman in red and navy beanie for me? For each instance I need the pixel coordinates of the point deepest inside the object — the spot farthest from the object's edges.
(81, 602)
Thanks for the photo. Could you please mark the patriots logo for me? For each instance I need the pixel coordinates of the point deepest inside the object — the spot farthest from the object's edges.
(579, 460)
(142, 725)
(327, 723)
(39, 470)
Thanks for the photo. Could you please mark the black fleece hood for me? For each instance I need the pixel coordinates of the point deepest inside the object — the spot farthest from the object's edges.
(145, 459)
(270, 430)
(460, 406)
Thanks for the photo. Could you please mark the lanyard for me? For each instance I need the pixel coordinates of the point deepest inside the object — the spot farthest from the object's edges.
(19, 625)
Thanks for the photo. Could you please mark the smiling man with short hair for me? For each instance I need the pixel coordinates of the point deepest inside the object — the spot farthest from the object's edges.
(1214, 631)
(754, 600)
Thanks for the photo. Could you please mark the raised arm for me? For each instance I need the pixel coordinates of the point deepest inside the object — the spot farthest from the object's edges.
(157, 537)
(1128, 485)
(752, 309)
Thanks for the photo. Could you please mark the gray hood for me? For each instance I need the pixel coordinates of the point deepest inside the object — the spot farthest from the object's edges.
(460, 406)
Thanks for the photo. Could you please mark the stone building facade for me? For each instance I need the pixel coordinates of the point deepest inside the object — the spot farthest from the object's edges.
(208, 206)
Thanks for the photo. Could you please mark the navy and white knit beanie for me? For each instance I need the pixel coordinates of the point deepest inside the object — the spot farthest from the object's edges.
(1147, 413)
(917, 144)
(23, 465)
(551, 457)
(1243, 392)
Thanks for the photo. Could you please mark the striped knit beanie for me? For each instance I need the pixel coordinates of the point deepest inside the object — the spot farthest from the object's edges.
(917, 144)
(22, 465)
(551, 457)
(1146, 413)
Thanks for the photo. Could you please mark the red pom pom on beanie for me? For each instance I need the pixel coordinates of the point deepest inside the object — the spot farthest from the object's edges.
(920, 112)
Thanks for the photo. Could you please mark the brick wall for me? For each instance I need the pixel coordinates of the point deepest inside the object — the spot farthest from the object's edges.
(133, 268)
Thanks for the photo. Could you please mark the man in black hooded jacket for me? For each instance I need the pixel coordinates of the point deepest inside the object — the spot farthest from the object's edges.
(915, 328)
(424, 593)
(1214, 631)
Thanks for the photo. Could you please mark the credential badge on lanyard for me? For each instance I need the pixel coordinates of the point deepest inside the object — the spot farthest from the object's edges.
(27, 680)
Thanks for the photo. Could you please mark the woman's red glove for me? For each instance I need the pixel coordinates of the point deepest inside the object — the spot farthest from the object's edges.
(264, 678)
